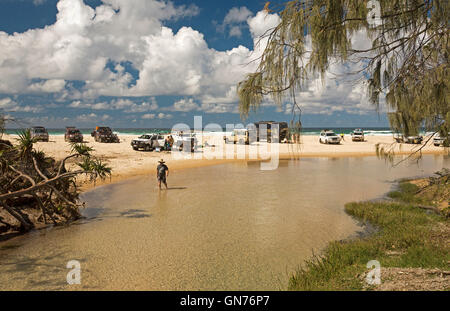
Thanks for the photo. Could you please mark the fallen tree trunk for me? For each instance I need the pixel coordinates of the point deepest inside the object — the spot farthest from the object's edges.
(25, 224)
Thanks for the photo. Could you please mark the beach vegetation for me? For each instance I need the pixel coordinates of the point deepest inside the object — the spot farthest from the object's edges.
(25, 144)
(36, 189)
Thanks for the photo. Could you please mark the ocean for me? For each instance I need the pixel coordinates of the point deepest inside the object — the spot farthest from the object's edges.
(385, 131)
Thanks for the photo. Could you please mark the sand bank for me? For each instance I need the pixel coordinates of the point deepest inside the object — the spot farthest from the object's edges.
(127, 162)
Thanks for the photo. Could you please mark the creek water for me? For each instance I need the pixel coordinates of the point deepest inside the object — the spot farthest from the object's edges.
(224, 227)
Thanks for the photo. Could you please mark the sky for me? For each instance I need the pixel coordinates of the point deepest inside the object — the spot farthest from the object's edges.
(151, 64)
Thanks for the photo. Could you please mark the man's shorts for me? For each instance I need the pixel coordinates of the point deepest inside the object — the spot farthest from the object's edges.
(162, 178)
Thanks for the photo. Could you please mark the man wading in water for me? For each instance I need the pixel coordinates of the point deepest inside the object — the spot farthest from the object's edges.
(162, 172)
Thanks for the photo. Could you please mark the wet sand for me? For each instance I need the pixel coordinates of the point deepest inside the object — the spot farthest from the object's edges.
(224, 227)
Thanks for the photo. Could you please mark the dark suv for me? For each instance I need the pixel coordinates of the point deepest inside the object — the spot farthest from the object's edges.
(73, 135)
(39, 133)
(104, 134)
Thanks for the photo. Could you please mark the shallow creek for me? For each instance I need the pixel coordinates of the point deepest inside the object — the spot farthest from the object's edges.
(224, 227)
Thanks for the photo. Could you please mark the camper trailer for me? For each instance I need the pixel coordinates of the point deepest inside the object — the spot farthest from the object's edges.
(279, 131)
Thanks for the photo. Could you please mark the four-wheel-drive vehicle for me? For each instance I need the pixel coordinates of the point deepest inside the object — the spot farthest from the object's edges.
(184, 141)
(279, 130)
(329, 137)
(148, 142)
(73, 135)
(104, 134)
(438, 140)
(414, 139)
(358, 135)
(39, 133)
(238, 136)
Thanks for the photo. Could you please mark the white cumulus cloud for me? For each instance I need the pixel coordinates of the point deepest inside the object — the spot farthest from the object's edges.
(83, 43)
(235, 21)
(96, 46)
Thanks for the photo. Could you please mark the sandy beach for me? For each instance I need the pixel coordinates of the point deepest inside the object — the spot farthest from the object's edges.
(126, 162)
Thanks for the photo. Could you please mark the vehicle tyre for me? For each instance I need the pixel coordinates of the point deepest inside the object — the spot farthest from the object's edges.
(136, 149)
(436, 145)
(320, 141)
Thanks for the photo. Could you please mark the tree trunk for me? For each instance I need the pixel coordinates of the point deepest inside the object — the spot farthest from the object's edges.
(26, 225)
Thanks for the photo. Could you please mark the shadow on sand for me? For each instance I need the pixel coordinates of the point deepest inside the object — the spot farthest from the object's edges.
(135, 213)
(175, 188)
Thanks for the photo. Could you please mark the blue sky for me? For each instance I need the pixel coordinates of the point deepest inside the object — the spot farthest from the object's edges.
(147, 63)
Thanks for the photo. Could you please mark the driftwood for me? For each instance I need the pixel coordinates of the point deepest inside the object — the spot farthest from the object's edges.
(30, 179)
(32, 190)
(36, 186)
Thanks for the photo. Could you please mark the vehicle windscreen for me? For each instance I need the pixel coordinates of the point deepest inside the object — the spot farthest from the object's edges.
(74, 131)
(331, 134)
(145, 136)
(357, 133)
(39, 130)
(104, 130)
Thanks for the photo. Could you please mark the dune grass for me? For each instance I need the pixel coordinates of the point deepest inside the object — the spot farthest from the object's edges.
(406, 236)
(405, 193)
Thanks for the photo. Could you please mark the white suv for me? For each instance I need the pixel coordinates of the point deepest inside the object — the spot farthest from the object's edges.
(329, 137)
(358, 135)
(148, 142)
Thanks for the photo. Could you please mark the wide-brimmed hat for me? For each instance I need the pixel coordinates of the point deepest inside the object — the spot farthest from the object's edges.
(161, 161)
